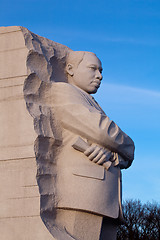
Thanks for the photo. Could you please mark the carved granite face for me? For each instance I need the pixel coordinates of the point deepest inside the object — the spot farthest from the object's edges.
(88, 74)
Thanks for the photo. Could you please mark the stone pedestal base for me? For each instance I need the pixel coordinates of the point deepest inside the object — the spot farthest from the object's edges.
(86, 226)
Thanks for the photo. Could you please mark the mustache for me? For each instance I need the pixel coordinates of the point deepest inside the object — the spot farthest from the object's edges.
(97, 81)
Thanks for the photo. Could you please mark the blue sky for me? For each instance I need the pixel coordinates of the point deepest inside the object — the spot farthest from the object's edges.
(125, 35)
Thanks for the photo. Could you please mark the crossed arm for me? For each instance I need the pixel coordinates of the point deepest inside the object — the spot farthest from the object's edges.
(101, 155)
(84, 120)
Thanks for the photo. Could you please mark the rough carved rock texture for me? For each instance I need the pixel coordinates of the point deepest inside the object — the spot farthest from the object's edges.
(41, 61)
(45, 64)
(20, 199)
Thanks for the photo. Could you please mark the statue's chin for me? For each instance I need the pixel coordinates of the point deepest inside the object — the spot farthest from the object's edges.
(93, 91)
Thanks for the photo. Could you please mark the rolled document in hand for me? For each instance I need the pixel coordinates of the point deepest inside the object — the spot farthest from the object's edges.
(82, 146)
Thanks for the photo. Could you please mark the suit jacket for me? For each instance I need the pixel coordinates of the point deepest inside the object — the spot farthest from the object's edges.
(80, 183)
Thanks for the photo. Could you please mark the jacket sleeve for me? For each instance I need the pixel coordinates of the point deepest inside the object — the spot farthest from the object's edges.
(76, 115)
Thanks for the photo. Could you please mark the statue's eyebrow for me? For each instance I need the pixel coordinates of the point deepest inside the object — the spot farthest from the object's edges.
(100, 69)
(92, 65)
(96, 66)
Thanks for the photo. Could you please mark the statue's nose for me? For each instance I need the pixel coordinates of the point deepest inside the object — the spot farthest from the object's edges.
(99, 75)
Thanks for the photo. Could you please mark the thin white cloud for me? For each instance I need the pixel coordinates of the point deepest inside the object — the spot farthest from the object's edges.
(134, 90)
(129, 40)
(131, 99)
(70, 33)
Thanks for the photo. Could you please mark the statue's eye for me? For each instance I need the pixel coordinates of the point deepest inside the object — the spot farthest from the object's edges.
(92, 67)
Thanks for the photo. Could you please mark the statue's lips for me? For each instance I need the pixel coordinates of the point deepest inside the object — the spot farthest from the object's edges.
(96, 84)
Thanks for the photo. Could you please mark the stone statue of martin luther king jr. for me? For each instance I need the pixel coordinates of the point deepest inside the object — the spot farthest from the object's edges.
(93, 149)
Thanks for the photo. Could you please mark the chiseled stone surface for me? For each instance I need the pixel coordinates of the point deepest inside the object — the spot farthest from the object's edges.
(19, 198)
(17, 134)
(27, 228)
(76, 189)
(57, 92)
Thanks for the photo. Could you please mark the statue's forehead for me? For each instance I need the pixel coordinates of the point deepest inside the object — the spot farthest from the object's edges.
(91, 58)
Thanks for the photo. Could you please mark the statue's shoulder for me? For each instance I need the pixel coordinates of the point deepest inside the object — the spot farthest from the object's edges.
(66, 89)
(63, 86)
(61, 92)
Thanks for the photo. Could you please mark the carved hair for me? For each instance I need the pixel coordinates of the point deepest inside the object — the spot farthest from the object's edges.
(75, 58)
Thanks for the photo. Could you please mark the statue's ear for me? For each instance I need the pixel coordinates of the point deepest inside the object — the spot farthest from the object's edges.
(69, 69)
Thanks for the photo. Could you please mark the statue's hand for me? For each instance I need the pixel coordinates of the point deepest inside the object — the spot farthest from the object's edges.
(123, 164)
(98, 154)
